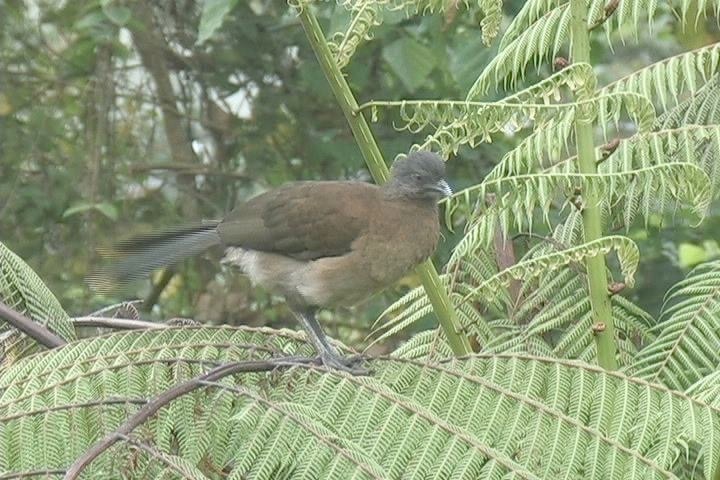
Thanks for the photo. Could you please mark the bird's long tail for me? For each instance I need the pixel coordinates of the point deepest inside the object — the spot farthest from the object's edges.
(138, 256)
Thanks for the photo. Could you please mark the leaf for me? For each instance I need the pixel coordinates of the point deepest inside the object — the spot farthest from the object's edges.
(500, 416)
(118, 14)
(213, 15)
(22, 290)
(107, 209)
(686, 348)
(411, 61)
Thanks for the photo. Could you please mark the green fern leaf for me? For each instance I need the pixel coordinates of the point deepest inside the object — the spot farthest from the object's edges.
(502, 416)
(688, 332)
(22, 290)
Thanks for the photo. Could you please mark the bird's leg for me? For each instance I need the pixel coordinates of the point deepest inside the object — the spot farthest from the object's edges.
(328, 354)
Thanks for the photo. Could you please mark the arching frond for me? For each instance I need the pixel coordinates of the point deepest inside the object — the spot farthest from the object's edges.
(22, 290)
(538, 42)
(578, 77)
(622, 13)
(458, 123)
(540, 29)
(478, 284)
(689, 332)
(627, 253)
(682, 184)
(689, 144)
(539, 150)
(480, 417)
(667, 80)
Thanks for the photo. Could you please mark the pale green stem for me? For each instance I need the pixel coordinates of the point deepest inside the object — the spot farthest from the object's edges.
(592, 221)
(373, 158)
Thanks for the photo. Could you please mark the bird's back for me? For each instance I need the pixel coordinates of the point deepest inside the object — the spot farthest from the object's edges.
(303, 220)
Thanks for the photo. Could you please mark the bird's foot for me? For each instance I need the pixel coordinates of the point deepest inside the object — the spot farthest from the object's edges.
(182, 322)
(351, 365)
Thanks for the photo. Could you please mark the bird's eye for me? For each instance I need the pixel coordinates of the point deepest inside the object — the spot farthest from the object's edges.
(417, 177)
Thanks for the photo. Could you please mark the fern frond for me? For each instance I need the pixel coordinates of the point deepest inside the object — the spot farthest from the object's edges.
(627, 252)
(428, 345)
(491, 9)
(343, 44)
(670, 78)
(683, 184)
(480, 417)
(707, 389)
(539, 42)
(492, 17)
(689, 332)
(458, 123)
(22, 290)
(488, 287)
(578, 78)
(702, 108)
(688, 144)
(539, 150)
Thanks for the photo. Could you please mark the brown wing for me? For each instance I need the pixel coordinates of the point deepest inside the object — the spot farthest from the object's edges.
(305, 220)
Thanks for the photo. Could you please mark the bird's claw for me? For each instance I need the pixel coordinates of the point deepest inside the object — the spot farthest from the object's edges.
(351, 365)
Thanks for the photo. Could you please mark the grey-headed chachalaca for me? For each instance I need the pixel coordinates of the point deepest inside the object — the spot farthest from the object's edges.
(319, 244)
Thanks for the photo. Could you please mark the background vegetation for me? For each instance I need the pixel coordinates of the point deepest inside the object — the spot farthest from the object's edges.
(118, 118)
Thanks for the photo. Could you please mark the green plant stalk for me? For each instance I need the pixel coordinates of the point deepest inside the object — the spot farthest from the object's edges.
(437, 294)
(592, 221)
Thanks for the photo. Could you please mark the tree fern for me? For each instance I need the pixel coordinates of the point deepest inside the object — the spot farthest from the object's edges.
(540, 417)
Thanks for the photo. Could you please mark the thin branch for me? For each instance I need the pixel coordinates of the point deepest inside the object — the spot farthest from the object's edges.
(117, 323)
(72, 406)
(116, 307)
(31, 473)
(160, 401)
(37, 331)
(187, 169)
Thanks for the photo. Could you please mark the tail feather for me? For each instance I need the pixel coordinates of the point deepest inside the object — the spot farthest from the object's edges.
(138, 256)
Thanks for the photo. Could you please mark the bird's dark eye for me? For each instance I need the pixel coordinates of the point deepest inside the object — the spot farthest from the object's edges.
(417, 176)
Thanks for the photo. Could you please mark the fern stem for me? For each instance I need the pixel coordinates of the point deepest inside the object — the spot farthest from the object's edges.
(592, 221)
(436, 292)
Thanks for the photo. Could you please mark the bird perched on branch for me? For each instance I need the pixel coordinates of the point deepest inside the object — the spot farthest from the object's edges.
(319, 244)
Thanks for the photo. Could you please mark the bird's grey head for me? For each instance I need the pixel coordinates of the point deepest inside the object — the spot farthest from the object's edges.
(420, 175)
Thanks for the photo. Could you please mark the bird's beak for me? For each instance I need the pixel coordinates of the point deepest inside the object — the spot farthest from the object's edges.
(443, 187)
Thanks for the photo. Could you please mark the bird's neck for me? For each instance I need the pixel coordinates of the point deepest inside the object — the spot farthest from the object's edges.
(398, 193)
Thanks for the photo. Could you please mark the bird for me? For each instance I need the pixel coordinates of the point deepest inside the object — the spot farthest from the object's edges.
(319, 244)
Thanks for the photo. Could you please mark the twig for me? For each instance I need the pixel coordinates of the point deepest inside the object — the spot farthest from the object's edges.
(31, 473)
(183, 169)
(37, 331)
(155, 404)
(126, 305)
(118, 323)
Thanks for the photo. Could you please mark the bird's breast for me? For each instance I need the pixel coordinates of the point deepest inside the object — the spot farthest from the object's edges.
(405, 237)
